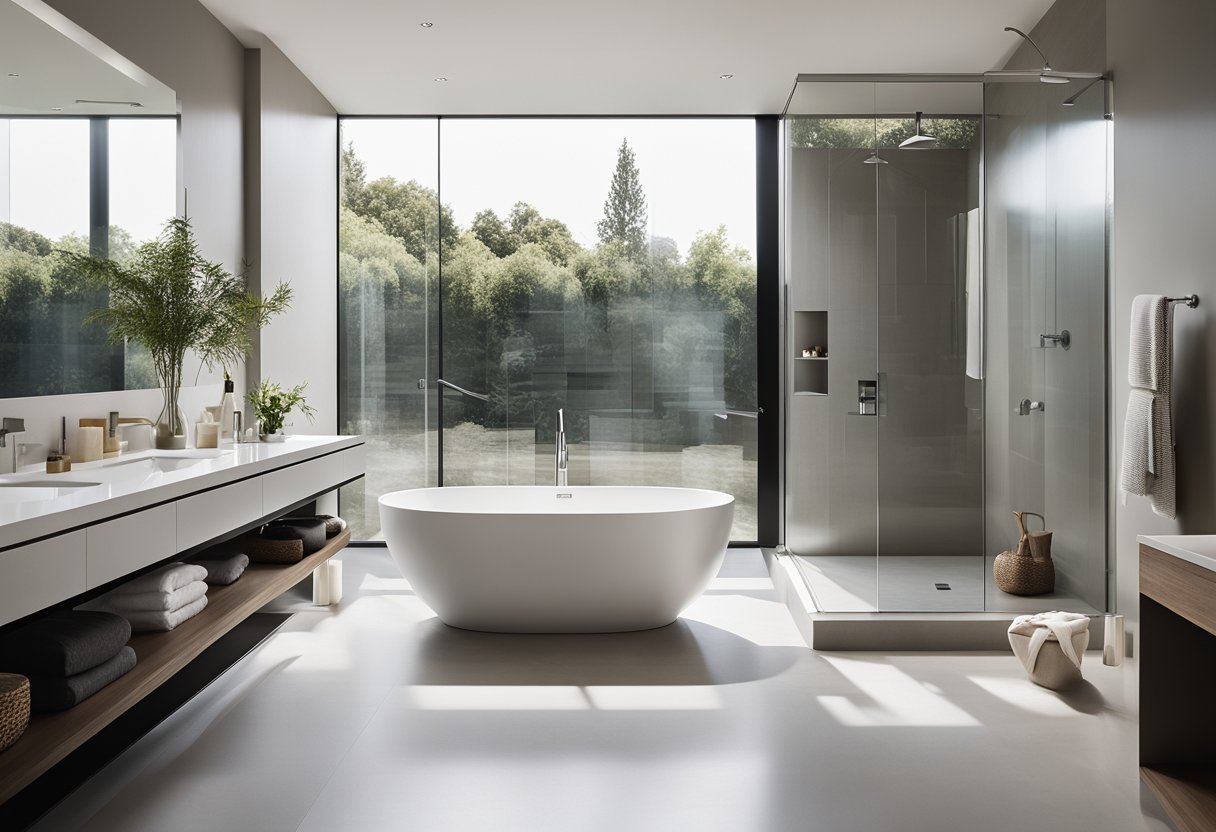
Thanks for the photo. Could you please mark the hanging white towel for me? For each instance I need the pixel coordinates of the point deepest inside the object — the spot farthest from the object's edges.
(1069, 628)
(1147, 467)
(975, 354)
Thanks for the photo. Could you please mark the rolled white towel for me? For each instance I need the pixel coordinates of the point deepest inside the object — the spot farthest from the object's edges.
(166, 579)
(121, 602)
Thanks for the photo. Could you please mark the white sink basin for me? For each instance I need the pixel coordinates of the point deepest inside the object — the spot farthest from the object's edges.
(164, 464)
(38, 490)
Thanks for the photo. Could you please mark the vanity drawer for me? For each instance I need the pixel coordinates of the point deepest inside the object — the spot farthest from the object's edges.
(41, 574)
(210, 514)
(354, 462)
(290, 485)
(118, 547)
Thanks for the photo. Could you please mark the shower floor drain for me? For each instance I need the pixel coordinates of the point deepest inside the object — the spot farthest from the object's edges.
(942, 586)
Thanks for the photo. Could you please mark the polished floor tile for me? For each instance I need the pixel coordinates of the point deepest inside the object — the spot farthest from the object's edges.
(372, 715)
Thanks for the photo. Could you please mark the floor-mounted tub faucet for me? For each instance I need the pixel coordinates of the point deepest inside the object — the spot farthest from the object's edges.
(562, 461)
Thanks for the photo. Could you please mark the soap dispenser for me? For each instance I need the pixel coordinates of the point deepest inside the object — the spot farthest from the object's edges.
(227, 407)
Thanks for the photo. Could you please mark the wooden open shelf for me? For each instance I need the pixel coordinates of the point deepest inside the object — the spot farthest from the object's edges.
(51, 737)
(1187, 793)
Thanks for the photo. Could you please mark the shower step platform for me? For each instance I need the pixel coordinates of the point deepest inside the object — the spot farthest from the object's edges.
(892, 631)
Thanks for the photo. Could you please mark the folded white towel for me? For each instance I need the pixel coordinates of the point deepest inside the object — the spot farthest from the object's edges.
(1069, 628)
(166, 579)
(120, 601)
(162, 621)
(1147, 466)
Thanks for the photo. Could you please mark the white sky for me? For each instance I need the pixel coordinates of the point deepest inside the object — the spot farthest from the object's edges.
(697, 173)
(48, 172)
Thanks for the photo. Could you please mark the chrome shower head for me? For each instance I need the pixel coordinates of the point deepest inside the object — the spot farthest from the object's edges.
(875, 159)
(1047, 75)
(918, 139)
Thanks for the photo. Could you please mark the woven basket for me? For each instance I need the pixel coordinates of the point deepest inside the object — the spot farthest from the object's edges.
(265, 550)
(1021, 574)
(14, 708)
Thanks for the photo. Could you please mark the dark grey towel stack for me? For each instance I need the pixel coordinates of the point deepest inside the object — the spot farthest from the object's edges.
(68, 656)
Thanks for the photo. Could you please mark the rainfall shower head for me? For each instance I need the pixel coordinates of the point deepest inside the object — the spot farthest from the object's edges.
(875, 159)
(918, 140)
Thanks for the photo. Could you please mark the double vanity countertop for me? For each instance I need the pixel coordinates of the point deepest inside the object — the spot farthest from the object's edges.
(34, 504)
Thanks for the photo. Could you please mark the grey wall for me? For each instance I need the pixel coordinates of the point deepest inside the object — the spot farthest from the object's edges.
(291, 155)
(1165, 215)
(1045, 272)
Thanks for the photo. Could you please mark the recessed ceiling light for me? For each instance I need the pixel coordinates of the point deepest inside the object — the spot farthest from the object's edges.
(57, 109)
(426, 25)
(441, 78)
(726, 76)
(14, 75)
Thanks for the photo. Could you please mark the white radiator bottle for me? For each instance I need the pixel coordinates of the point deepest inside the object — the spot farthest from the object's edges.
(227, 406)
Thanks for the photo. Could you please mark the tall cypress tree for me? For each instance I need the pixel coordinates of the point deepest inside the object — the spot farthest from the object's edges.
(625, 209)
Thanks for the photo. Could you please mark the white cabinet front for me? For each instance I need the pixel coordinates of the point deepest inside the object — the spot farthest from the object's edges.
(118, 547)
(209, 515)
(41, 574)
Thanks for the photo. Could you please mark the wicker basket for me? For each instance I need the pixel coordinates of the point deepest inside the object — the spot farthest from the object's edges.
(14, 708)
(267, 550)
(1022, 574)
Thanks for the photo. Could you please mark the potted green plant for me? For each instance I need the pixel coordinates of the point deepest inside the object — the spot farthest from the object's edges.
(172, 300)
(271, 404)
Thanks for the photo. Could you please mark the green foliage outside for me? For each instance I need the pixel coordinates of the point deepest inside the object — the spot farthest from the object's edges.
(43, 349)
(871, 133)
(536, 320)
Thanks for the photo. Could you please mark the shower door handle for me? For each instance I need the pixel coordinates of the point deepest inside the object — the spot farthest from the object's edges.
(1026, 406)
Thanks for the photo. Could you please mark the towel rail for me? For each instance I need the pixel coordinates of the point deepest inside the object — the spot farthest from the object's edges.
(1190, 300)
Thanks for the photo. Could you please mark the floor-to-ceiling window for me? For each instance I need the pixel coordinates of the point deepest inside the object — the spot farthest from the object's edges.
(603, 266)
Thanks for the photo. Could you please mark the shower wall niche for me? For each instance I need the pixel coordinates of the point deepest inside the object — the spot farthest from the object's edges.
(903, 453)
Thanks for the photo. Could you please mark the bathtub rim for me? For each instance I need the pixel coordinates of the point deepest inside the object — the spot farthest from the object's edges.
(718, 499)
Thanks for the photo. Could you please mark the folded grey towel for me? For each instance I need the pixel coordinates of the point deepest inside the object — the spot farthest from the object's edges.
(226, 571)
(63, 643)
(160, 621)
(51, 693)
(121, 603)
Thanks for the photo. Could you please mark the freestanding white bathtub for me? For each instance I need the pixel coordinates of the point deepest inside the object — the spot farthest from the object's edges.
(542, 559)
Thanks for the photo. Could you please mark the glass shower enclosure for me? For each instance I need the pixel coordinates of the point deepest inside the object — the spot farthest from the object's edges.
(939, 237)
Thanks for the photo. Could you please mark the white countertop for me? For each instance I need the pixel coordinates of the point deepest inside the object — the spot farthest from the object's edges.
(138, 480)
(1199, 549)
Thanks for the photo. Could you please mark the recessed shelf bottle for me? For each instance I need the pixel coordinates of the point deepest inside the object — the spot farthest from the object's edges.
(811, 353)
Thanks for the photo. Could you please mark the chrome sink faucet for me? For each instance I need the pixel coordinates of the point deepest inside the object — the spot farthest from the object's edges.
(9, 425)
(562, 461)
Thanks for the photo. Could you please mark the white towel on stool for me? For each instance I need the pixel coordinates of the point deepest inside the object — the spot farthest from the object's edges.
(1069, 628)
(1147, 467)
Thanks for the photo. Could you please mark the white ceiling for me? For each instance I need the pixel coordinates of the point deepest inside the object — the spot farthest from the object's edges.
(622, 57)
(47, 62)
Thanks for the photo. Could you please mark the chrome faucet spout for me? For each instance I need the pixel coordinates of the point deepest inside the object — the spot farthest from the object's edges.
(562, 460)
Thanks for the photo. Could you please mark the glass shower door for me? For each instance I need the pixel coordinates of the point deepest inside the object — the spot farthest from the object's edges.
(832, 296)
(930, 382)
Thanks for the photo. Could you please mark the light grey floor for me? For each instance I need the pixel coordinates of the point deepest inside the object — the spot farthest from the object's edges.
(908, 583)
(374, 716)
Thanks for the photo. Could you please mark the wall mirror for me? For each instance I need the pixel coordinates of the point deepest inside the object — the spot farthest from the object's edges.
(88, 162)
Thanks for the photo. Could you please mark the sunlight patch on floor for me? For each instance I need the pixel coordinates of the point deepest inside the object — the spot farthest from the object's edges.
(896, 699)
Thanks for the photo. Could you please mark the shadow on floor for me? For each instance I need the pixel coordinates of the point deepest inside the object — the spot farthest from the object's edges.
(683, 653)
(1083, 697)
